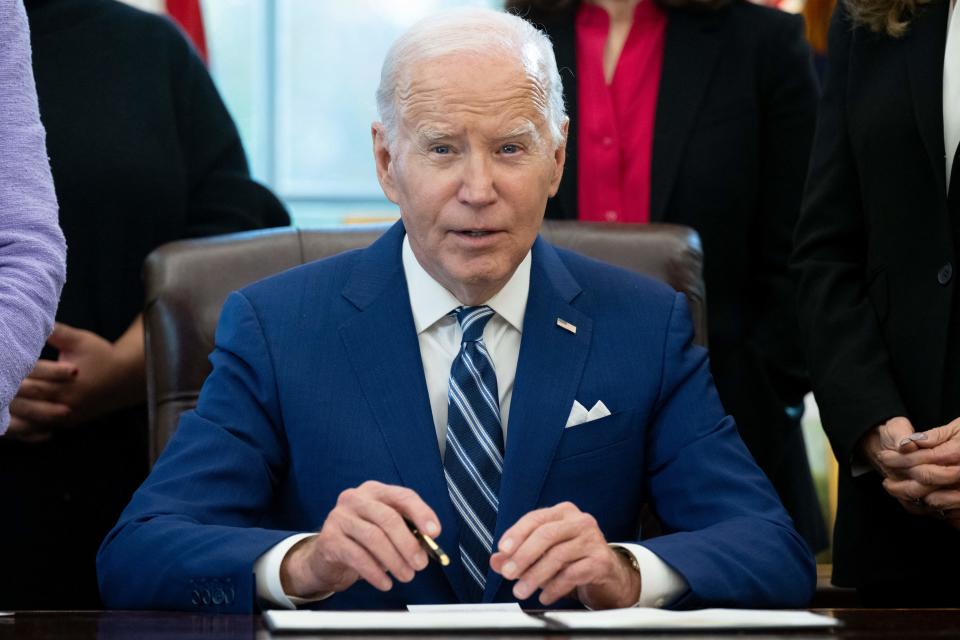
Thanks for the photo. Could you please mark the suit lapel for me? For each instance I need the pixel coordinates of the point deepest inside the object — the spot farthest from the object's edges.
(381, 343)
(924, 46)
(689, 57)
(548, 375)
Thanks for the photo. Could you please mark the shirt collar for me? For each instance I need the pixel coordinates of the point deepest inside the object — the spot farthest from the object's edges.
(430, 301)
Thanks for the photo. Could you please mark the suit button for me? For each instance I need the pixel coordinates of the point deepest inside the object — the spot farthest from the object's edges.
(945, 273)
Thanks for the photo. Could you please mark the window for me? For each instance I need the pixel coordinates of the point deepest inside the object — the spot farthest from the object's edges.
(299, 77)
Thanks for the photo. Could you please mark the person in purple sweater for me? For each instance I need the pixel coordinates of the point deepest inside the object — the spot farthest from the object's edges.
(32, 247)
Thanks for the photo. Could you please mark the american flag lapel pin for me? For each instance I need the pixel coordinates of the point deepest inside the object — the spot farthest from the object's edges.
(563, 324)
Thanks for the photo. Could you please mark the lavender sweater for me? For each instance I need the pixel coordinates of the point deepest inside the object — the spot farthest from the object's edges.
(32, 248)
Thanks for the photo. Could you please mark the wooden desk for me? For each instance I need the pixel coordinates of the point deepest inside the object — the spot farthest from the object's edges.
(861, 624)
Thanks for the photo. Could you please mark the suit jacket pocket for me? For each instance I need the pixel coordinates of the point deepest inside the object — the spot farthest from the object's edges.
(596, 434)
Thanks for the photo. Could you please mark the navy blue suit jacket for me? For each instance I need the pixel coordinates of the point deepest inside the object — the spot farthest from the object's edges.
(318, 386)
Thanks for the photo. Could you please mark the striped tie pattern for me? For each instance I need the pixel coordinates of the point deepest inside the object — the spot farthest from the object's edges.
(473, 462)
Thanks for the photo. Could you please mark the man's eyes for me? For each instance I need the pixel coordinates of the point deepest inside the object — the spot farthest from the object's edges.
(506, 149)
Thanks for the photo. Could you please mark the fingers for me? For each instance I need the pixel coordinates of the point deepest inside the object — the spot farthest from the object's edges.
(53, 371)
(27, 432)
(546, 568)
(944, 500)
(382, 533)
(34, 389)
(548, 536)
(931, 476)
(513, 537)
(64, 337)
(939, 436)
(543, 546)
(39, 411)
(894, 431)
(409, 505)
(360, 560)
(572, 576)
(372, 518)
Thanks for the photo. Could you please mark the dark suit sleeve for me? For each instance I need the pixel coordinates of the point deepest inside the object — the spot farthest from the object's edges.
(190, 536)
(788, 116)
(222, 196)
(726, 532)
(768, 372)
(849, 364)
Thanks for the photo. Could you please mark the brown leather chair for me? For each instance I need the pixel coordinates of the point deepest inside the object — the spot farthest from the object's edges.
(188, 281)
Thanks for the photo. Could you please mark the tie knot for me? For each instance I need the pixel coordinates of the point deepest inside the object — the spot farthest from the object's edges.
(472, 321)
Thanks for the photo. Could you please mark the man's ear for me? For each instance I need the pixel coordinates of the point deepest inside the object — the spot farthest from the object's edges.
(384, 161)
(559, 157)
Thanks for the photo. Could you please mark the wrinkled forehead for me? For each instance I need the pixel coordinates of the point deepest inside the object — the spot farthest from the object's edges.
(497, 90)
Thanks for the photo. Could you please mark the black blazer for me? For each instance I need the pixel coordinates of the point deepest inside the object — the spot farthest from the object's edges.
(876, 259)
(735, 116)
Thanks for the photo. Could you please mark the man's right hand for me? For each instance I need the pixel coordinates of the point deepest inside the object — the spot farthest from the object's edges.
(891, 440)
(365, 536)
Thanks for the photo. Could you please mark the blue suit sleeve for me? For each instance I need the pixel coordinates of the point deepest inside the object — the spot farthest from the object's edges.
(726, 532)
(191, 534)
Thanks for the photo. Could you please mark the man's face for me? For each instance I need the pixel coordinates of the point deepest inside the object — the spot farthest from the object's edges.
(471, 169)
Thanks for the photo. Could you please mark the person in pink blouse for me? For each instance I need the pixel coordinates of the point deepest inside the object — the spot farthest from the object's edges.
(701, 112)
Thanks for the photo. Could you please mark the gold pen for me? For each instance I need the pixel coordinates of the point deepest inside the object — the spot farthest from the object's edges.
(428, 543)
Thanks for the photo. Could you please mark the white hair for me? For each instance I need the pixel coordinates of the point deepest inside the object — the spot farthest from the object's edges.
(475, 31)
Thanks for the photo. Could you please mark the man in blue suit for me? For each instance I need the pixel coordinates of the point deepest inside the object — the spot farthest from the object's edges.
(518, 402)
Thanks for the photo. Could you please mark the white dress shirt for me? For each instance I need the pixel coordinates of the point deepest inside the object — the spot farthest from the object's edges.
(951, 88)
(439, 336)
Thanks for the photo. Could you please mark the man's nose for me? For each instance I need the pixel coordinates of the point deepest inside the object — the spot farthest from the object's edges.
(477, 184)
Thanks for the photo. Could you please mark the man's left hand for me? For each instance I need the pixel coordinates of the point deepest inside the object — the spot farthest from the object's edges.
(559, 550)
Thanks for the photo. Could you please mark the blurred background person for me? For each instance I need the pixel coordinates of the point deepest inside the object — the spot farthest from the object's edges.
(701, 112)
(143, 152)
(876, 247)
(32, 250)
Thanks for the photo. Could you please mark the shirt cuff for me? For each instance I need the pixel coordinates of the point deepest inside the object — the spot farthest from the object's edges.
(267, 571)
(659, 583)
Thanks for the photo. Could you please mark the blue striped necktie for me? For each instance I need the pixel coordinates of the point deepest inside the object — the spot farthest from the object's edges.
(473, 462)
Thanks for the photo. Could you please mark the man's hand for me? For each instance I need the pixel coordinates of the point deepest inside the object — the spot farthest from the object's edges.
(365, 536)
(559, 550)
(931, 471)
(92, 377)
(883, 447)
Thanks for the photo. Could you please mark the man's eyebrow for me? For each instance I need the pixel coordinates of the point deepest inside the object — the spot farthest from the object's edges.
(527, 129)
(432, 134)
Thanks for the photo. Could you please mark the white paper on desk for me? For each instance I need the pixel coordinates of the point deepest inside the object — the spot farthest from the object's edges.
(699, 619)
(480, 607)
(398, 621)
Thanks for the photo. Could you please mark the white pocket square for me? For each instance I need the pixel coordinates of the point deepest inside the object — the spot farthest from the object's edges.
(580, 415)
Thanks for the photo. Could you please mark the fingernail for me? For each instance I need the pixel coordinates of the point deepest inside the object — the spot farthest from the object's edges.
(509, 569)
(432, 528)
(521, 590)
(506, 544)
(905, 441)
(421, 560)
(917, 436)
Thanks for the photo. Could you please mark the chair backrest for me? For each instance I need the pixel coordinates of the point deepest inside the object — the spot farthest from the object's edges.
(188, 281)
